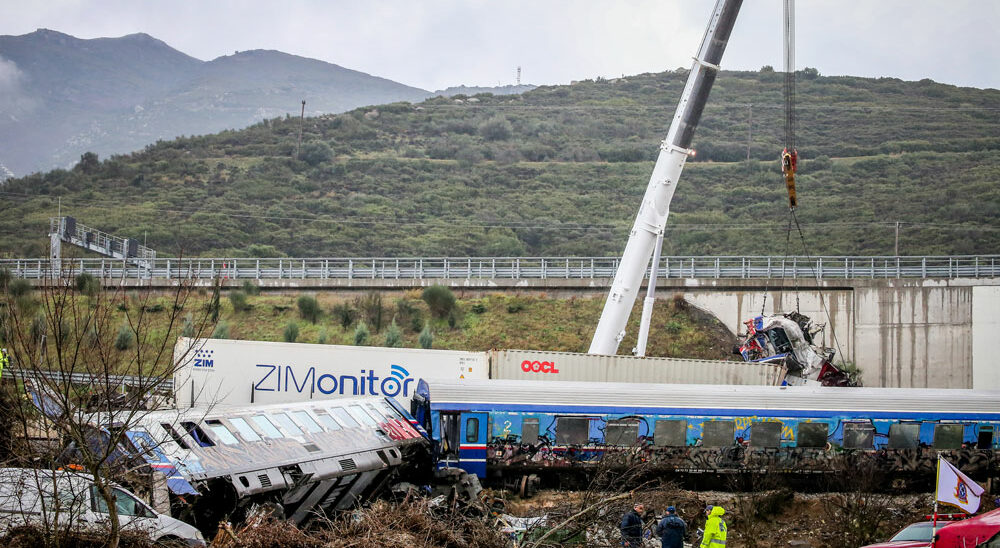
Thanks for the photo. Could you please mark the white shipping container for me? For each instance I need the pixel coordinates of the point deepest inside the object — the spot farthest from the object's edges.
(221, 372)
(568, 366)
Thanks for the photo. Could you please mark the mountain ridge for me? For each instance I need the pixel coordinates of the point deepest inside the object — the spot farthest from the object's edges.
(65, 95)
(556, 171)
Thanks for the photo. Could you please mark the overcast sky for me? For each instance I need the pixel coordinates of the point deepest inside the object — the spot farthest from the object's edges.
(433, 44)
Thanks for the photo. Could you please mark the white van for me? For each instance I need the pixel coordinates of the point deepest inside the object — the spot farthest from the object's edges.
(63, 499)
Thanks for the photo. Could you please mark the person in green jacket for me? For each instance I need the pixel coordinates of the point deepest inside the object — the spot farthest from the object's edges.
(4, 360)
(715, 528)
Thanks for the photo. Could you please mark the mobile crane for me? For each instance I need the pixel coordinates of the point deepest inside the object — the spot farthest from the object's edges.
(674, 152)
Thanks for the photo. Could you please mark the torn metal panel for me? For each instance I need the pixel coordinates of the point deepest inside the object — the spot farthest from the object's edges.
(788, 340)
(311, 456)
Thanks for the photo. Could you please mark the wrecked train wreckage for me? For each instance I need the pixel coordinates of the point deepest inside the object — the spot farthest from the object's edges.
(300, 460)
(789, 340)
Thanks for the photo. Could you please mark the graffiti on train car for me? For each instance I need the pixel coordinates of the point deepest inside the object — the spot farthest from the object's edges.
(521, 458)
(536, 441)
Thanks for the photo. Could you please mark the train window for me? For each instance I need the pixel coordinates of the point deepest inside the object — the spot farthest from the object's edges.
(765, 434)
(329, 422)
(948, 436)
(904, 435)
(199, 435)
(174, 435)
(357, 412)
(471, 429)
(572, 430)
(306, 421)
(266, 426)
(717, 433)
(670, 433)
(388, 411)
(529, 431)
(812, 434)
(376, 413)
(985, 438)
(859, 435)
(621, 432)
(285, 422)
(243, 427)
(221, 432)
(344, 417)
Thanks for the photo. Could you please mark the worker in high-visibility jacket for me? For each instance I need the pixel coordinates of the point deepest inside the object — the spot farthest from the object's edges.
(4, 360)
(715, 528)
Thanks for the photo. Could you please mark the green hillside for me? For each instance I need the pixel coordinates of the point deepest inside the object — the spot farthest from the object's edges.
(556, 171)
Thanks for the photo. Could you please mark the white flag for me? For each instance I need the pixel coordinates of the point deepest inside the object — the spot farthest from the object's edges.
(955, 488)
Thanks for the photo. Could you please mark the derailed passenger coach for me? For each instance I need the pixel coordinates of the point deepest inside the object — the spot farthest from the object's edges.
(307, 458)
(505, 429)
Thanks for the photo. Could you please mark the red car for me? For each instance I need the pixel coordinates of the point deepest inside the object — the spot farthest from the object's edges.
(966, 533)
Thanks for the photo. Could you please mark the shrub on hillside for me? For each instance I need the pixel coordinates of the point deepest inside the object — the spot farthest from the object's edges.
(393, 336)
(221, 331)
(316, 153)
(250, 288)
(426, 338)
(439, 299)
(124, 339)
(309, 308)
(361, 334)
(344, 314)
(87, 284)
(239, 301)
(291, 332)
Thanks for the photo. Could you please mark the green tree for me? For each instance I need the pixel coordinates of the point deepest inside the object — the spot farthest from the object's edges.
(393, 335)
(361, 334)
(124, 339)
(426, 338)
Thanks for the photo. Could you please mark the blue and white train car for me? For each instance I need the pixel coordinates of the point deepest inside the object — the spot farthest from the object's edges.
(498, 427)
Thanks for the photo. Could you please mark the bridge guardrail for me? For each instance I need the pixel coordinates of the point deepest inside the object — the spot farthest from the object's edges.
(729, 267)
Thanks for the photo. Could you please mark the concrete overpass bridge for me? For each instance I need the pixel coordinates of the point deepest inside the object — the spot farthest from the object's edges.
(905, 321)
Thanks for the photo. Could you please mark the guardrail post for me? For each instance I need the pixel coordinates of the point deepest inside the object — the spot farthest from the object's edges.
(516, 274)
(493, 267)
(846, 273)
(373, 268)
(168, 269)
(543, 269)
(716, 267)
(977, 266)
(350, 269)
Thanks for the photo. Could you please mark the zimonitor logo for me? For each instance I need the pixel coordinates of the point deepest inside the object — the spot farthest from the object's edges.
(529, 366)
(204, 359)
(287, 378)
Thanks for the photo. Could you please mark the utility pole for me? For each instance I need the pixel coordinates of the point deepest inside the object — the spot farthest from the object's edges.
(302, 120)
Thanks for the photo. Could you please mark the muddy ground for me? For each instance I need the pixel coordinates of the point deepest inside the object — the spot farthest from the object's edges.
(767, 519)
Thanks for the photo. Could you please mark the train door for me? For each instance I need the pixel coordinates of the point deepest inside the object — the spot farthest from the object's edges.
(472, 453)
(449, 440)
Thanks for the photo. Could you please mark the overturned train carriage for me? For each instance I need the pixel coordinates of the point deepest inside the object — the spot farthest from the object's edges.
(308, 458)
(505, 429)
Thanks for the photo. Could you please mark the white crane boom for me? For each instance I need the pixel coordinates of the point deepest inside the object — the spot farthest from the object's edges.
(655, 207)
